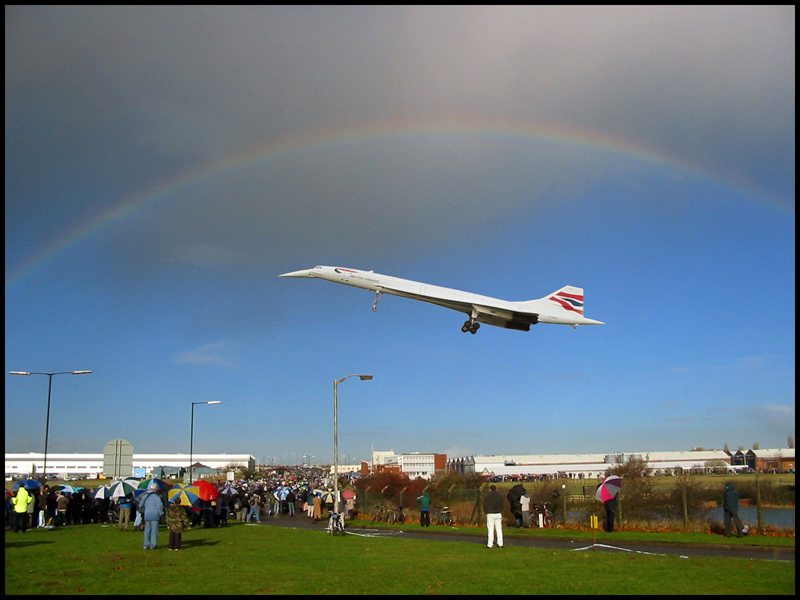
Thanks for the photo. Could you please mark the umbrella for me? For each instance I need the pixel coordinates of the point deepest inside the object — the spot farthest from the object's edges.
(516, 493)
(102, 492)
(162, 485)
(122, 488)
(28, 484)
(326, 496)
(187, 494)
(229, 491)
(348, 494)
(281, 493)
(609, 488)
(206, 490)
(67, 489)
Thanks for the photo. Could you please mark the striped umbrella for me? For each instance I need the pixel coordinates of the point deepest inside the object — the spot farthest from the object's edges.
(101, 492)
(122, 488)
(162, 485)
(609, 489)
(187, 493)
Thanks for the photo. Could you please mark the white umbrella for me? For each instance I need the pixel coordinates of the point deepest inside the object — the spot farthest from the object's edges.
(122, 488)
(101, 492)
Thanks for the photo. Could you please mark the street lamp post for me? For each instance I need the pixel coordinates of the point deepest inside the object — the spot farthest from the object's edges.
(191, 437)
(49, 389)
(336, 383)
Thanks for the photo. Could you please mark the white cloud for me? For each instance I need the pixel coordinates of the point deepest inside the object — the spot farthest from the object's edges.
(207, 354)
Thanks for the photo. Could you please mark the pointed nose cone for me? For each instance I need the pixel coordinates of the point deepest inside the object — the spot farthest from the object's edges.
(303, 273)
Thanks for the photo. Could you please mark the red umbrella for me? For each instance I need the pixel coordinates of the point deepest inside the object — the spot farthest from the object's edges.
(348, 494)
(207, 490)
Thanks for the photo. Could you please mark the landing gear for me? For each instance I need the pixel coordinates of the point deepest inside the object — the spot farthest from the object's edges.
(375, 304)
(470, 326)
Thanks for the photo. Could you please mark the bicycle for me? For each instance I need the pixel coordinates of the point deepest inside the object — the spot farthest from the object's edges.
(336, 524)
(381, 513)
(545, 513)
(397, 515)
(443, 516)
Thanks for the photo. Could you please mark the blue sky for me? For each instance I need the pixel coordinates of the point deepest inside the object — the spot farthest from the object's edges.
(164, 165)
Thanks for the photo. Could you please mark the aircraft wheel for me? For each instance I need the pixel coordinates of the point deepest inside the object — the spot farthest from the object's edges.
(474, 330)
(465, 327)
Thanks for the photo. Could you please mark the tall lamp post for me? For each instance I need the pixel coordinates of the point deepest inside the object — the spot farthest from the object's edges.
(191, 437)
(49, 389)
(336, 383)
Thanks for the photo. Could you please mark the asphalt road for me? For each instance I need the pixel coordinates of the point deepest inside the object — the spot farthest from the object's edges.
(300, 521)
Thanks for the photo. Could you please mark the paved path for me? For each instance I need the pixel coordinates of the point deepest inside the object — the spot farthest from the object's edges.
(579, 545)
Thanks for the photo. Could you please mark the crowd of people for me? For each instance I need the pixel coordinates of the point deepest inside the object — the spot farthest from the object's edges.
(244, 501)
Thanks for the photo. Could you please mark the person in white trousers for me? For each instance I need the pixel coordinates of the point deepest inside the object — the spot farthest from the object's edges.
(493, 505)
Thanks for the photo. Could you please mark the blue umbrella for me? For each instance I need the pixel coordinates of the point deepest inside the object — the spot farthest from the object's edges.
(28, 484)
(67, 489)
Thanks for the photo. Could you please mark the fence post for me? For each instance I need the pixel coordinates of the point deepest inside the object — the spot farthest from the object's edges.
(758, 503)
(685, 509)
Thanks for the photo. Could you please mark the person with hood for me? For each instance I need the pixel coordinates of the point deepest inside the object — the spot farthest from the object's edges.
(493, 505)
(152, 507)
(177, 521)
(20, 502)
(317, 501)
(424, 510)
(730, 508)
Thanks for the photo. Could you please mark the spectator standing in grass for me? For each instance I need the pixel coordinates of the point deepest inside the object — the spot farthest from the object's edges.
(31, 510)
(730, 508)
(20, 501)
(290, 500)
(125, 504)
(525, 504)
(424, 510)
(254, 501)
(177, 521)
(493, 504)
(317, 501)
(152, 507)
(611, 511)
(61, 509)
(52, 504)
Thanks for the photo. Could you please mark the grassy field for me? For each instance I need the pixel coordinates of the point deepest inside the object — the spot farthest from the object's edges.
(242, 559)
(658, 537)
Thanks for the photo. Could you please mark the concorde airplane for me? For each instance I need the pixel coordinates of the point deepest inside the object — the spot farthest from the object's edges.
(564, 307)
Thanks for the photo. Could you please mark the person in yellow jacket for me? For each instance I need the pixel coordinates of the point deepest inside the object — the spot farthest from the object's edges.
(20, 502)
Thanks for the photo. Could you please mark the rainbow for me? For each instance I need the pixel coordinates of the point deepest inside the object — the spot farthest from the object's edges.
(319, 139)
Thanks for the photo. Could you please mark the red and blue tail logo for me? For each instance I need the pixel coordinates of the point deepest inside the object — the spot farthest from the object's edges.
(573, 302)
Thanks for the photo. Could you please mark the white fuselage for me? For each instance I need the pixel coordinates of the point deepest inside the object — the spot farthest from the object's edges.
(485, 309)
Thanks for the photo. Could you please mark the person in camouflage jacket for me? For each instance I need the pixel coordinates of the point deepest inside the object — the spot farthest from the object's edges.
(177, 521)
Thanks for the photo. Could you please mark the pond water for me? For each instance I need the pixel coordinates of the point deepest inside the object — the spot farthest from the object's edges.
(778, 517)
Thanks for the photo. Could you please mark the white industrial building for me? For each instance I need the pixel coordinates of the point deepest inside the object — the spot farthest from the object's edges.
(586, 465)
(91, 465)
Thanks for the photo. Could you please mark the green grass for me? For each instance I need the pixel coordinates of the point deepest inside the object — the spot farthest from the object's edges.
(241, 559)
(658, 537)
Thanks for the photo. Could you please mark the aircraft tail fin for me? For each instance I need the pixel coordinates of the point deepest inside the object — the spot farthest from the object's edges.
(568, 299)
